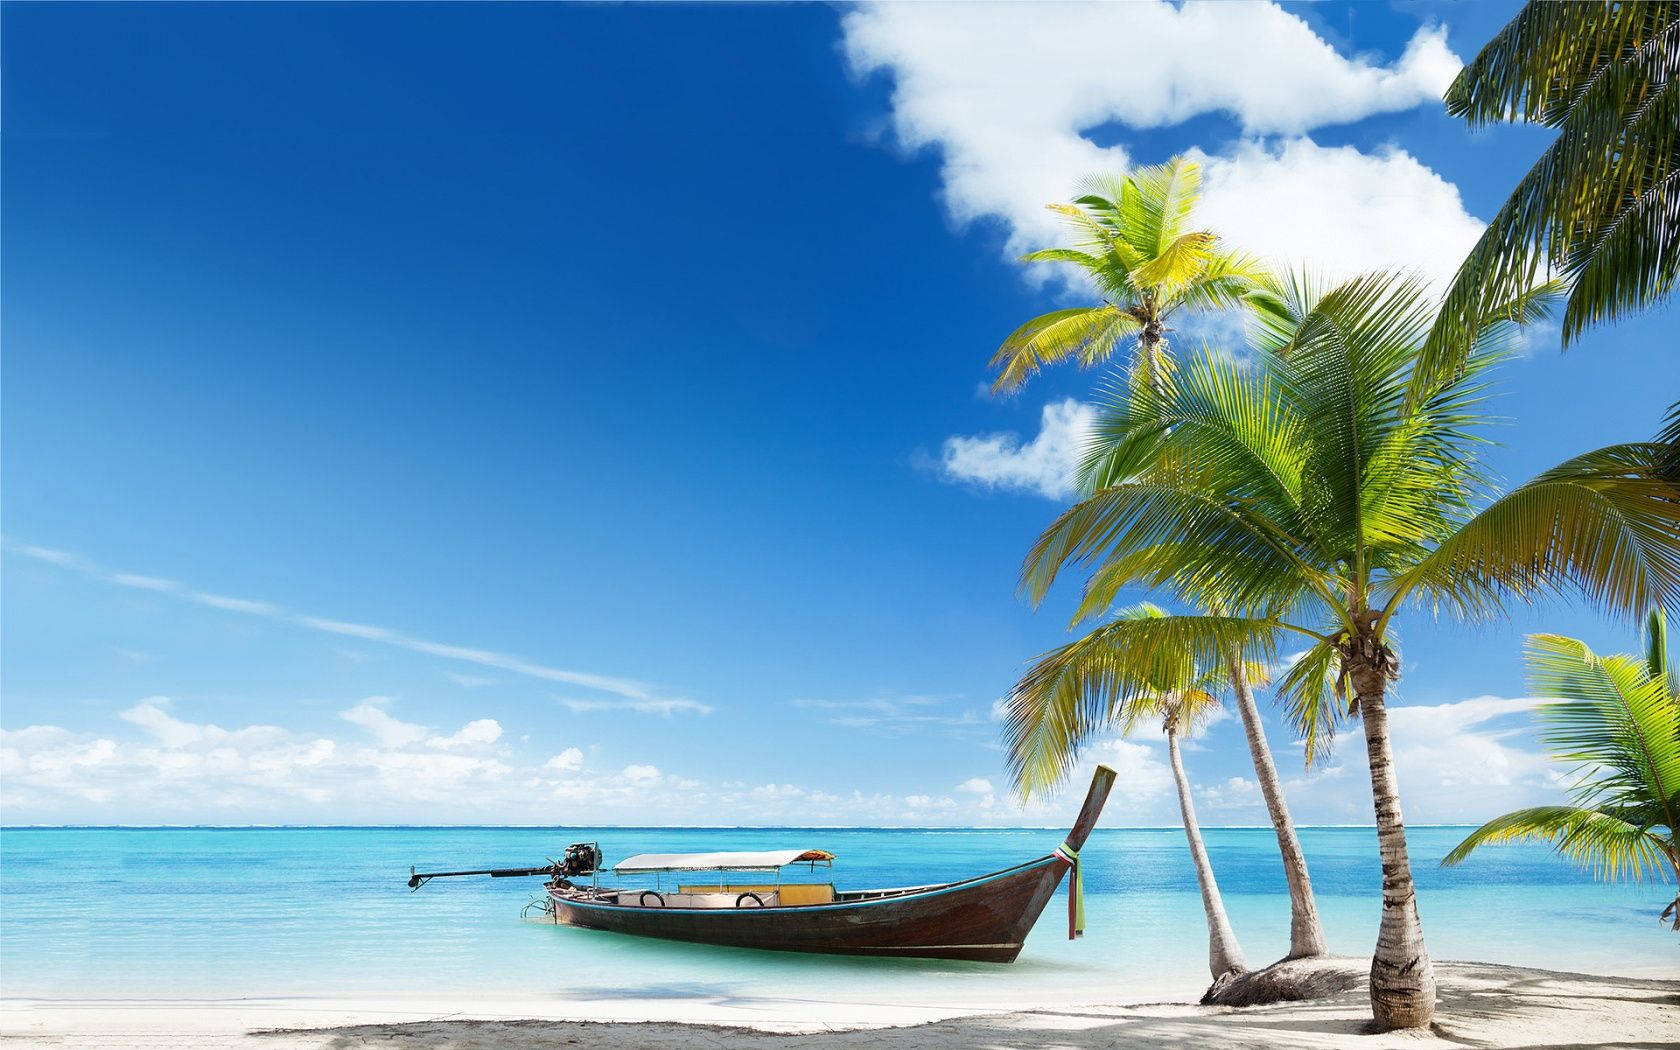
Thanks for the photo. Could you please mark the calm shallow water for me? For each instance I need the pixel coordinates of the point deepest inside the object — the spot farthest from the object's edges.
(225, 913)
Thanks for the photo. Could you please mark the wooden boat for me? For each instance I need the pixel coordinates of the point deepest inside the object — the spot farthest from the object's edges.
(985, 918)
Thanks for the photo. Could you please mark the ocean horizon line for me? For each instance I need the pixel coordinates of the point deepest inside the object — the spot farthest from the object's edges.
(672, 827)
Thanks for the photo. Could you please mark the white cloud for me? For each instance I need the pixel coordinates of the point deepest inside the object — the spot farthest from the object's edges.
(50, 555)
(1044, 465)
(1234, 792)
(1337, 210)
(145, 583)
(371, 715)
(1008, 92)
(567, 761)
(475, 733)
(1457, 762)
(1139, 766)
(896, 714)
(652, 705)
(638, 692)
(244, 605)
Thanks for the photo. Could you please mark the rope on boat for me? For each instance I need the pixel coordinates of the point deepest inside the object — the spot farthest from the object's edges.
(1076, 891)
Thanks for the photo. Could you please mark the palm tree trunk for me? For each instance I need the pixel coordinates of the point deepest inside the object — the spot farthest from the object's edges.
(1402, 977)
(1306, 933)
(1152, 350)
(1225, 956)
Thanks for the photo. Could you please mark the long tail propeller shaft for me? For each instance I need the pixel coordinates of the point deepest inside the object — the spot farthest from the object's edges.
(417, 879)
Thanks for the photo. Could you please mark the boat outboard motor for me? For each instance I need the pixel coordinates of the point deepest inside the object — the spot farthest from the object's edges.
(581, 858)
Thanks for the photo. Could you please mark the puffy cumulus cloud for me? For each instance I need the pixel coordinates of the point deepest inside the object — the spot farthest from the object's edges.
(1336, 210)
(1456, 761)
(1008, 94)
(567, 761)
(177, 770)
(1044, 465)
(371, 715)
(478, 731)
(1232, 793)
(1467, 760)
(164, 768)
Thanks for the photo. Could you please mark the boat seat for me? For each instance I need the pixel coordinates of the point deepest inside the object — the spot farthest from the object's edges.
(697, 897)
(790, 894)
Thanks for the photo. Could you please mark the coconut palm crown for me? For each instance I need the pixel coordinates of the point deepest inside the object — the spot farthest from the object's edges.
(1309, 492)
(1618, 723)
(1602, 205)
(1134, 246)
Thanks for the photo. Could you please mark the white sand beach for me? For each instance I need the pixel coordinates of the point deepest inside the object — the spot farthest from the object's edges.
(1482, 1005)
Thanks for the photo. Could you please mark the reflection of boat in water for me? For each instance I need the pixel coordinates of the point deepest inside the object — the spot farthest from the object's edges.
(985, 918)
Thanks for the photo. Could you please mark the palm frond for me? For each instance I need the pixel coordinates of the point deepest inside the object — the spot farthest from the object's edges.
(1668, 463)
(1605, 524)
(1615, 722)
(1179, 262)
(1228, 280)
(1608, 846)
(1344, 368)
(1210, 408)
(1210, 551)
(1084, 687)
(1600, 205)
(1088, 333)
(1540, 62)
(1313, 698)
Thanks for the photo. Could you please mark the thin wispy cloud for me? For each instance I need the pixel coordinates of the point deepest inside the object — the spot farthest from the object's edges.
(651, 705)
(633, 694)
(244, 605)
(892, 713)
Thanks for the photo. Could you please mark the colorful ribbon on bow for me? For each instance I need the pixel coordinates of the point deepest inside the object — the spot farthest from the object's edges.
(1076, 891)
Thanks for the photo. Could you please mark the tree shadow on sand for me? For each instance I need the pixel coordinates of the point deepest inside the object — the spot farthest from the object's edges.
(1482, 1006)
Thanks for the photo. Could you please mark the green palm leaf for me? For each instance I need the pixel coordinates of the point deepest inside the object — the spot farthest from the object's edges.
(1617, 725)
(1113, 676)
(1087, 333)
(1605, 523)
(1601, 206)
(1610, 847)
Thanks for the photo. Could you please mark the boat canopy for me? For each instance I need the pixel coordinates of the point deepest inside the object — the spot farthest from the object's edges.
(763, 860)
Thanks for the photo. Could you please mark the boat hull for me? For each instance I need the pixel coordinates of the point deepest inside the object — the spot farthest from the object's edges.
(984, 919)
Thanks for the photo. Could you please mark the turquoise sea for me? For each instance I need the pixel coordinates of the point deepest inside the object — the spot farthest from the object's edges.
(125, 913)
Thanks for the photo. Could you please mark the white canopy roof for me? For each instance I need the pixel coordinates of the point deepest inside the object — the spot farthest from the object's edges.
(763, 860)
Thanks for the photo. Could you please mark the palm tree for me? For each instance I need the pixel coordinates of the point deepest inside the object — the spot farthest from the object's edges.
(1065, 697)
(1133, 247)
(1307, 493)
(1602, 204)
(1618, 723)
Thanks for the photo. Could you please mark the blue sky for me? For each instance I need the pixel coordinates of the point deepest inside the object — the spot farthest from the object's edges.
(572, 414)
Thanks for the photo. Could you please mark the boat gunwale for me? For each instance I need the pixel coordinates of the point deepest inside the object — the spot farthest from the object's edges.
(912, 894)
